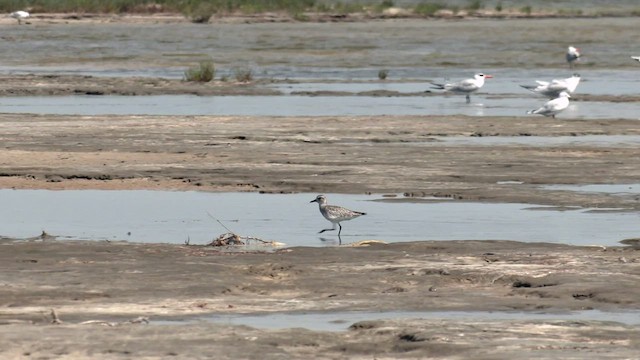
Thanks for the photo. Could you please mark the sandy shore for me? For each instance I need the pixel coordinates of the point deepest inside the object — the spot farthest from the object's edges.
(381, 154)
(115, 282)
(98, 288)
(161, 17)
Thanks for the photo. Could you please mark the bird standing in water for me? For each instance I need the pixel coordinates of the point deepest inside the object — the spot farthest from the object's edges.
(464, 87)
(573, 54)
(552, 107)
(553, 88)
(335, 214)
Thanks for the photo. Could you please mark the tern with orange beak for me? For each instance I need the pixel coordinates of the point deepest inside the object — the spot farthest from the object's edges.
(464, 87)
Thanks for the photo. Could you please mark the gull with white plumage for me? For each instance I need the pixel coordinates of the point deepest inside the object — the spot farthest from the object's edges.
(553, 107)
(573, 54)
(20, 15)
(552, 89)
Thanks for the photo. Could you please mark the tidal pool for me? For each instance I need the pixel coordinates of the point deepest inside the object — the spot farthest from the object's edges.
(542, 141)
(287, 105)
(177, 217)
(620, 189)
(340, 321)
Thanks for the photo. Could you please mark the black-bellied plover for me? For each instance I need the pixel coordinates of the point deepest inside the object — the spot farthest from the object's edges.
(464, 87)
(335, 214)
(552, 107)
(573, 54)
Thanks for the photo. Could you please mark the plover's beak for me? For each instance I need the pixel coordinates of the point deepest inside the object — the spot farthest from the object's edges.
(316, 200)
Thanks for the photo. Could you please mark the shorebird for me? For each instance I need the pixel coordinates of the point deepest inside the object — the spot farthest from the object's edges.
(573, 54)
(335, 214)
(636, 58)
(19, 15)
(552, 107)
(464, 87)
(553, 89)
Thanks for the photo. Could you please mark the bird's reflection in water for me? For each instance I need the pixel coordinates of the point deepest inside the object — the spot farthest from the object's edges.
(331, 241)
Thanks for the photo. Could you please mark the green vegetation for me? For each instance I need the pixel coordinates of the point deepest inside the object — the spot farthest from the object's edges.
(65, 6)
(243, 74)
(201, 11)
(341, 8)
(204, 72)
(382, 6)
(474, 5)
(526, 9)
(192, 8)
(428, 8)
(570, 12)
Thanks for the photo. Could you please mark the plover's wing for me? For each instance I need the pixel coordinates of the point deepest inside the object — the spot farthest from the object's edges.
(339, 213)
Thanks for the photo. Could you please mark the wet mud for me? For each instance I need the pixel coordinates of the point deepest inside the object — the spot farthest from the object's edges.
(381, 154)
(96, 287)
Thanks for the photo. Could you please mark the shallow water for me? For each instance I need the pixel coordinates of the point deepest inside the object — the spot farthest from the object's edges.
(340, 321)
(345, 54)
(582, 140)
(619, 189)
(505, 81)
(321, 50)
(174, 217)
(304, 106)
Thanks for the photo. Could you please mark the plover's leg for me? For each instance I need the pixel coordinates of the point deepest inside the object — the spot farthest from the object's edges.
(339, 231)
(334, 227)
(468, 98)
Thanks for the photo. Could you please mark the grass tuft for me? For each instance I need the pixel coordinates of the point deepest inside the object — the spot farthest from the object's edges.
(474, 5)
(526, 9)
(243, 74)
(428, 8)
(204, 72)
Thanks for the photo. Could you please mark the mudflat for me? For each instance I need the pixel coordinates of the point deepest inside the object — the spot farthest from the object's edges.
(379, 154)
(97, 288)
(100, 291)
(113, 300)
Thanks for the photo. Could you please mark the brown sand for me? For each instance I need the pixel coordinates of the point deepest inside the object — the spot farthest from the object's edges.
(111, 283)
(108, 284)
(114, 282)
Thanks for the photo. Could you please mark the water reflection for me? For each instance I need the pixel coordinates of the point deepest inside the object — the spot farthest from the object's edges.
(304, 106)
